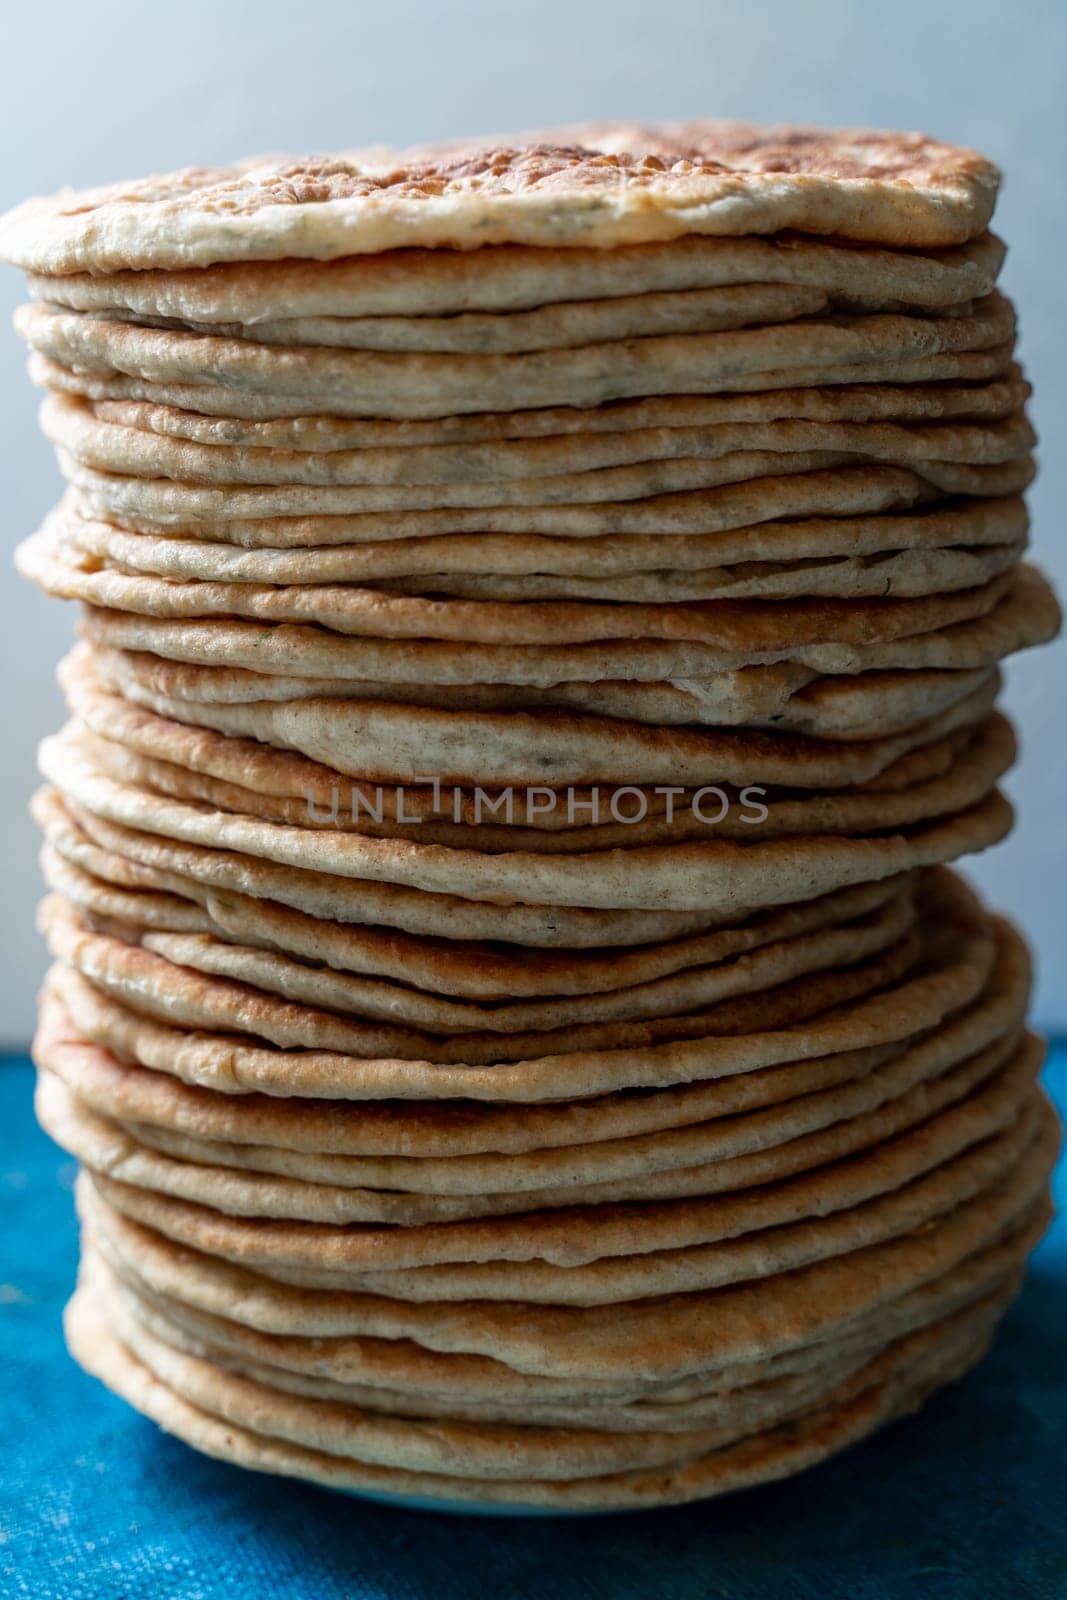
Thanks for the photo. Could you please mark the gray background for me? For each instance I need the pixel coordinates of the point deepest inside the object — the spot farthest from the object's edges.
(96, 92)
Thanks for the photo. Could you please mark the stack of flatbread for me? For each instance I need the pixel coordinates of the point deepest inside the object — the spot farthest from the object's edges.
(542, 606)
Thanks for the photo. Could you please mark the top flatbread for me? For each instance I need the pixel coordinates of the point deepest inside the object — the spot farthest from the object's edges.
(600, 184)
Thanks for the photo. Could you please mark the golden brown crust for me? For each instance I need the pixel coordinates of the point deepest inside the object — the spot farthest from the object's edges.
(598, 184)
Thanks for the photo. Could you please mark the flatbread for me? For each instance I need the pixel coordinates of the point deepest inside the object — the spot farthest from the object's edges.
(905, 573)
(989, 402)
(152, 977)
(530, 1155)
(751, 627)
(213, 400)
(935, 779)
(673, 1337)
(753, 957)
(721, 875)
(589, 751)
(316, 1255)
(413, 385)
(750, 1391)
(594, 1211)
(248, 1319)
(138, 896)
(436, 283)
(976, 524)
(144, 860)
(912, 770)
(576, 1217)
(571, 467)
(782, 696)
(1023, 612)
(291, 1135)
(561, 325)
(961, 953)
(770, 1457)
(211, 514)
(725, 1415)
(451, 1446)
(791, 699)
(595, 184)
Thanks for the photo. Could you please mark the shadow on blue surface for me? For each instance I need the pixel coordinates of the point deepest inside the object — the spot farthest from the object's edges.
(967, 1500)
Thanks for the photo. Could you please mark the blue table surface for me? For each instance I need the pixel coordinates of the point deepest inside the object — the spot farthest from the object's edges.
(967, 1499)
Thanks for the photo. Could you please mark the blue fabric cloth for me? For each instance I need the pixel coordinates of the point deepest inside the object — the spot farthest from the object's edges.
(966, 1500)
